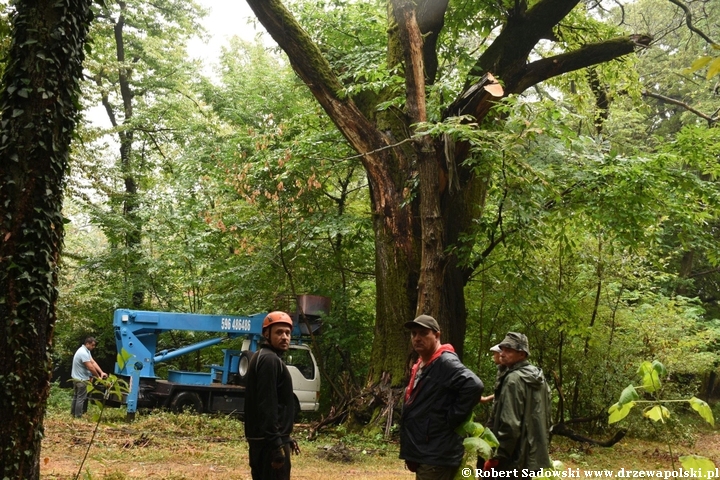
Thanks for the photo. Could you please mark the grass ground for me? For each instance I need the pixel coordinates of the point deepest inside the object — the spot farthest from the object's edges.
(196, 447)
(201, 447)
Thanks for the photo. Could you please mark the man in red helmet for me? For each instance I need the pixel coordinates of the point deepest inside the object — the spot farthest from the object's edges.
(270, 403)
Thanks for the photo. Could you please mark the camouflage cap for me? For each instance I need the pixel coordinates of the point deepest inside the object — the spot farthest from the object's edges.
(516, 341)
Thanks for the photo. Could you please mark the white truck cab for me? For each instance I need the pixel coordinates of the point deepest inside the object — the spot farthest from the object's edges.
(305, 375)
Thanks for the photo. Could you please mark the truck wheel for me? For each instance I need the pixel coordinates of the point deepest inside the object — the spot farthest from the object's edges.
(190, 401)
(244, 364)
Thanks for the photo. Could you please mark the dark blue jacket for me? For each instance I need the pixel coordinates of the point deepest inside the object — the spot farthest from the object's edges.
(442, 399)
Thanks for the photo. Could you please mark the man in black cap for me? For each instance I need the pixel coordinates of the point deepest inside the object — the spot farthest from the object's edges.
(521, 413)
(439, 397)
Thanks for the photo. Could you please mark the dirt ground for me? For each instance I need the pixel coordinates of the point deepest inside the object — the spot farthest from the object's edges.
(200, 448)
(128, 451)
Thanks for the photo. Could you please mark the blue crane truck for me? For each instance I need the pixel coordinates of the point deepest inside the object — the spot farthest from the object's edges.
(221, 388)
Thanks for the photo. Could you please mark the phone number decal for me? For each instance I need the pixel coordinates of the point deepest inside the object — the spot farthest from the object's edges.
(242, 324)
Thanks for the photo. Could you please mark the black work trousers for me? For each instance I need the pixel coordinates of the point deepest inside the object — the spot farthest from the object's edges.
(260, 458)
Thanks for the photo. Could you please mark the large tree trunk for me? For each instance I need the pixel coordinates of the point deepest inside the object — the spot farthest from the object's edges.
(39, 98)
(416, 265)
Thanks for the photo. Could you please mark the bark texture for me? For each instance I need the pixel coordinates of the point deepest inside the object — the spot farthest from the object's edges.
(38, 105)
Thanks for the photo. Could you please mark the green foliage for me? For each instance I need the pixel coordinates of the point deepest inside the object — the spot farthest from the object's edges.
(651, 375)
(619, 411)
(702, 465)
(110, 388)
(587, 235)
(712, 64)
(703, 410)
(478, 441)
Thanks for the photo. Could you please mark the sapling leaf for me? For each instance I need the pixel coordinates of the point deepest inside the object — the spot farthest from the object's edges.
(650, 377)
(659, 368)
(703, 409)
(618, 412)
(697, 463)
(628, 395)
(657, 413)
(477, 445)
(490, 438)
(713, 69)
(474, 429)
(644, 368)
(466, 427)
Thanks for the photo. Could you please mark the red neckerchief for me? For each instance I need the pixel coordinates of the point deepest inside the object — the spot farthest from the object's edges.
(446, 347)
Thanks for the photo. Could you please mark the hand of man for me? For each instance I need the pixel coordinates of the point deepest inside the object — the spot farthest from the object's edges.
(294, 447)
(490, 464)
(277, 460)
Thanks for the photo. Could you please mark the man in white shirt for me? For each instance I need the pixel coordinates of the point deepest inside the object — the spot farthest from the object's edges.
(84, 368)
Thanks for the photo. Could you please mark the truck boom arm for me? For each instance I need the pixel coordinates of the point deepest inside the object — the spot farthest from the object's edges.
(136, 334)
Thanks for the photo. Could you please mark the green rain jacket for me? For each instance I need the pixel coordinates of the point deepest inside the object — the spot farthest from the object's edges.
(521, 418)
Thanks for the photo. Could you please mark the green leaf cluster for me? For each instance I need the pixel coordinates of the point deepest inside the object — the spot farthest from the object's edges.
(478, 440)
(651, 375)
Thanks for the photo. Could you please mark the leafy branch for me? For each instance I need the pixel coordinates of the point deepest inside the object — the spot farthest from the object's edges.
(479, 441)
(650, 374)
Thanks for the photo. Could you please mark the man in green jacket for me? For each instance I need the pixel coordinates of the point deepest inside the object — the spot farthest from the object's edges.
(521, 413)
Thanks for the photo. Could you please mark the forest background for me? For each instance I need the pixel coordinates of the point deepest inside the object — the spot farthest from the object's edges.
(598, 228)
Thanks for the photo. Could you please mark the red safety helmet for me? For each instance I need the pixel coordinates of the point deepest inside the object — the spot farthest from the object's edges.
(277, 317)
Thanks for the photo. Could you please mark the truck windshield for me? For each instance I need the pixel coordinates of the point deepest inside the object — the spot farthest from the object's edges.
(301, 359)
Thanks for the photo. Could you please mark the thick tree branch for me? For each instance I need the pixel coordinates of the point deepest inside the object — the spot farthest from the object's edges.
(506, 58)
(592, 54)
(431, 19)
(412, 42)
(386, 169)
(315, 71)
(520, 35)
(710, 119)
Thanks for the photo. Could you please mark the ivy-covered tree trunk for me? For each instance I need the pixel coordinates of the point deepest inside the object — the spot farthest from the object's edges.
(418, 233)
(39, 107)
